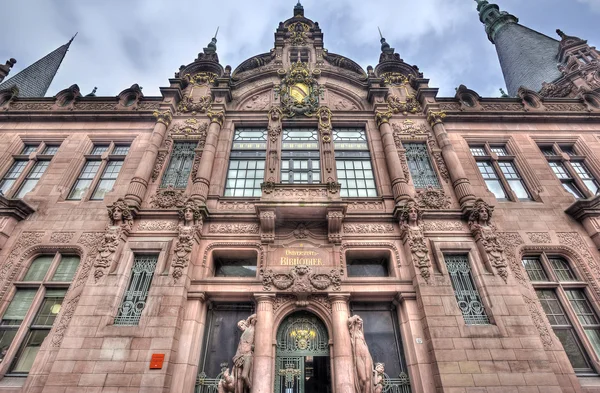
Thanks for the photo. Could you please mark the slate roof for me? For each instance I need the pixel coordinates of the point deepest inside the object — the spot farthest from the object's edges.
(35, 80)
(527, 57)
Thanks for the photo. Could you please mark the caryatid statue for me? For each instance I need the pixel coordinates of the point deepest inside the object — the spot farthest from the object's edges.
(244, 357)
(363, 363)
(411, 232)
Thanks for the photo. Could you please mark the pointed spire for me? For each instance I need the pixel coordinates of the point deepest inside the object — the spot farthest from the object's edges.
(493, 19)
(35, 80)
(385, 47)
(298, 10)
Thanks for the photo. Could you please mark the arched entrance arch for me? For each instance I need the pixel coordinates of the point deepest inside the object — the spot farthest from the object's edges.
(302, 355)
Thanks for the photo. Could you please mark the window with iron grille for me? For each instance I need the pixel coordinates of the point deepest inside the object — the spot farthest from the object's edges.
(108, 166)
(23, 328)
(300, 163)
(419, 165)
(136, 294)
(467, 294)
(571, 169)
(180, 165)
(564, 300)
(246, 163)
(499, 171)
(353, 163)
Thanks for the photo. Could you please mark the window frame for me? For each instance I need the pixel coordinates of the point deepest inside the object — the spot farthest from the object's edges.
(247, 155)
(31, 159)
(300, 154)
(105, 158)
(27, 324)
(354, 156)
(491, 156)
(163, 179)
(562, 156)
(560, 289)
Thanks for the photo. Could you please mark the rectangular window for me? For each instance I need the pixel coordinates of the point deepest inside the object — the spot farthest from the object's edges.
(66, 268)
(300, 163)
(32, 178)
(120, 150)
(367, 267)
(107, 180)
(467, 295)
(353, 162)
(247, 163)
(548, 151)
(180, 165)
(562, 269)
(235, 267)
(420, 167)
(40, 328)
(99, 150)
(492, 181)
(477, 151)
(514, 179)
(50, 150)
(136, 295)
(28, 149)
(13, 316)
(563, 329)
(565, 178)
(85, 179)
(585, 176)
(12, 175)
(586, 315)
(534, 269)
(499, 150)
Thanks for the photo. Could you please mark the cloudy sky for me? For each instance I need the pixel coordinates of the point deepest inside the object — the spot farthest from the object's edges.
(145, 41)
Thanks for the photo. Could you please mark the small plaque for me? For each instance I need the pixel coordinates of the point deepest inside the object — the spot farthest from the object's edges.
(157, 360)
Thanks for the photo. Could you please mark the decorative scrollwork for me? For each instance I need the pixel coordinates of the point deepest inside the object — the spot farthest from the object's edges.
(301, 279)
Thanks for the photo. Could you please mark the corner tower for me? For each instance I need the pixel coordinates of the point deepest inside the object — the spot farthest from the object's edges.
(527, 57)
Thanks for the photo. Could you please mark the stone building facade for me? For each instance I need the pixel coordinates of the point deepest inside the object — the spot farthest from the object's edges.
(299, 224)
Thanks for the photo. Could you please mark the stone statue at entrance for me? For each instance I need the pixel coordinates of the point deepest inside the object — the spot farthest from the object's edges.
(244, 357)
(363, 363)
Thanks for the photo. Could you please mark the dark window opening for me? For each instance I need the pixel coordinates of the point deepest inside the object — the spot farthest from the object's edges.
(368, 263)
(235, 263)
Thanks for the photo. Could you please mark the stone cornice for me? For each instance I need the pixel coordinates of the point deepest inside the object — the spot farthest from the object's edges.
(15, 208)
(585, 208)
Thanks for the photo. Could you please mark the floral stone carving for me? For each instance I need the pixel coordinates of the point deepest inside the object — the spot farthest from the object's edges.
(484, 233)
(107, 251)
(433, 198)
(167, 198)
(411, 233)
(301, 279)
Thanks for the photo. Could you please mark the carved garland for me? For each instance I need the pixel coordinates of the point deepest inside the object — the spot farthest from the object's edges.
(301, 279)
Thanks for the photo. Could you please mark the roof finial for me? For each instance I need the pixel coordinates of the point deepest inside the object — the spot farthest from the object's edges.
(299, 10)
(493, 19)
(212, 45)
(217, 32)
(380, 35)
(385, 47)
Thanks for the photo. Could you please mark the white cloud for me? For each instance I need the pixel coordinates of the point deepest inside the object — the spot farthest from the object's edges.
(593, 4)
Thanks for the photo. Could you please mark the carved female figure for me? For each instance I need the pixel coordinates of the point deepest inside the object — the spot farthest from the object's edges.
(244, 357)
(120, 214)
(411, 229)
(363, 363)
(378, 379)
(189, 213)
(485, 235)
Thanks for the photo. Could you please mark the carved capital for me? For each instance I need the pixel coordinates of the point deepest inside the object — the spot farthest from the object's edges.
(383, 117)
(164, 117)
(216, 116)
(434, 118)
(267, 226)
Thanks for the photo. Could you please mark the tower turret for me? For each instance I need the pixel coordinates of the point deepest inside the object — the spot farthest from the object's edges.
(527, 58)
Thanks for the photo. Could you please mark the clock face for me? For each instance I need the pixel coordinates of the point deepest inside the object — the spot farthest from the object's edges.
(299, 92)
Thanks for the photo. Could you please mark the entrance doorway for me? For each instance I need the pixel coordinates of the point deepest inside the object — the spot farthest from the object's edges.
(302, 363)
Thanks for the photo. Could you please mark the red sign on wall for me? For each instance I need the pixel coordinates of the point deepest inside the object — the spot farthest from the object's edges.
(157, 360)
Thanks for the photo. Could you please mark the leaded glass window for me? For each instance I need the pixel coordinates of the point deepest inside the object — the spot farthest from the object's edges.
(84, 181)
(12, 175)
(300, 162)
(534, 269)
(353, 162)
(50, 150)
(32, 178)
(467, 294)
(136, 294)
(562, 269)
(492, 181)
(180, 165)
(419, 165)
(108, 179)
(573, 172)
(586, 315)
(28, 149)
(246, 163)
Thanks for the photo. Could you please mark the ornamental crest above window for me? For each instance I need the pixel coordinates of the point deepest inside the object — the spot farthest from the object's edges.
(299, 90)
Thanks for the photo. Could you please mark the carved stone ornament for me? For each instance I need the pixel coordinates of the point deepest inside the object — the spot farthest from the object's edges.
(183, 250)
(167, 198)
(201, 78)
(539, 322)
(383, 117)
(366, 206)
(299, 90)
(120, 215)
(164, 117)
(434, 118)
(363, 362)
(409, 128)
(443, 226)
(107, 251)
(190, 214)
(510, 241)
(411, 233)
(190, 127)
(539, 237)
(157, 226)
(258, 102)
(159, 163)
(298, 33)
(485, 235)
(187, 104)
(11, 266)
(234, 228)
(411, 105)
(433, 198)
(394, 78)
(61, 237)
(301, 279)
(334, 226)
(368, 228)
(267, 226)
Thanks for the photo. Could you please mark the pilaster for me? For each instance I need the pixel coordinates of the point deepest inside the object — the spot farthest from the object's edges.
(343, 362)
(262, 378)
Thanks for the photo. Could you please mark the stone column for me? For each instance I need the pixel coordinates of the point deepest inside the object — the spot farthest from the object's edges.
(262, 374)
(139, 183)
(399, 182)
(202, 179)
(343, 362)
(460, 182)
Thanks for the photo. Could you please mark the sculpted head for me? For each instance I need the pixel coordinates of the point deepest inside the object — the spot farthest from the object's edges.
(189, 212)
(411, 214)
(355, 322)
(380, 368)
(275, 113)
(481, 213)
(119, 212)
